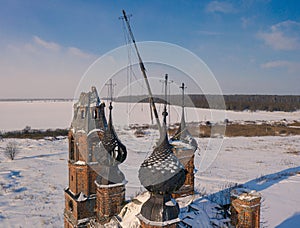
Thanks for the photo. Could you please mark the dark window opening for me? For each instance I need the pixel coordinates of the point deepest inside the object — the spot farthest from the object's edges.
(71, 205)
(72, 148)
(82, 114)
(76, 153)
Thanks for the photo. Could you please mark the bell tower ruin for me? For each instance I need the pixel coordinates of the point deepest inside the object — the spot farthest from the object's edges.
(92, 156)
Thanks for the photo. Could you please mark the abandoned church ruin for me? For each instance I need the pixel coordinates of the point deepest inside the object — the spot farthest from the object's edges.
(95, 196)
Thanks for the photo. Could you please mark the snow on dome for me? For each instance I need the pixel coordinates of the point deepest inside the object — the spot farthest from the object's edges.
(162, 159)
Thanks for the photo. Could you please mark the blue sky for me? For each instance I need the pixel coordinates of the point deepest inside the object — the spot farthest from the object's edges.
(251, 46)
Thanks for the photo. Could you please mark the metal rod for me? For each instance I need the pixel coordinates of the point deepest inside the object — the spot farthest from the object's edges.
(168, 97)
(182, 101)
(110, 90)
(143, 69)
(165, 113)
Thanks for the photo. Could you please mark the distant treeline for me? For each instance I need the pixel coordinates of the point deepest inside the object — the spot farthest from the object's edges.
(36, 99)
(286, 103)
(27, 132)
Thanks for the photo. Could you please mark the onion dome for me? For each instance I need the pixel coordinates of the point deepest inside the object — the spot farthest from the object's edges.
(111, 142)
(160, 209)
(110, 153)
(162, 172)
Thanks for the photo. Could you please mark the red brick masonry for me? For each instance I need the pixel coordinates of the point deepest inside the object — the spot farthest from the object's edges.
(245, 208)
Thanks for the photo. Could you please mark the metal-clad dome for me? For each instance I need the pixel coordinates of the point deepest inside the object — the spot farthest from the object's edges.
(160, 208)
(111, 142)
(162, 172)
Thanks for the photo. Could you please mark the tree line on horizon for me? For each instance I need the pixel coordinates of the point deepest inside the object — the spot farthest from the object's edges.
(287, 103)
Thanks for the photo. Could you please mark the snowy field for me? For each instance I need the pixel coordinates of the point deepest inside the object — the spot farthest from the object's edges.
(45, 114)
(31, 187)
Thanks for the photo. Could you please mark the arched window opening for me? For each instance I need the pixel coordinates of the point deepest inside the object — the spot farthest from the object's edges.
(72, 148)
(82, 114)
(71, 205)
(76, 153)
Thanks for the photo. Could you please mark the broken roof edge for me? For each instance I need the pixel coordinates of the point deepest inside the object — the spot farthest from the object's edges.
(155, 223)
(88, 99)
(95, 130)
(124, 182)
(245, 194)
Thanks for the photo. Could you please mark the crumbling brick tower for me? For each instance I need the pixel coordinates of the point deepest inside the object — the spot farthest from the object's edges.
(88, 125)
(87, 156)
(245, 208)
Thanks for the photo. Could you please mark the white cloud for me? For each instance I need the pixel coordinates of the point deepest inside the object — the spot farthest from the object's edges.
(292, 67)
(48, 45)
(77, 52)
(39, 68)
(282, 36)
(218, 6)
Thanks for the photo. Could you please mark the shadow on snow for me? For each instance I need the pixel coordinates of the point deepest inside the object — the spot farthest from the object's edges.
(291, 222)
(223, 197)
(40, 156)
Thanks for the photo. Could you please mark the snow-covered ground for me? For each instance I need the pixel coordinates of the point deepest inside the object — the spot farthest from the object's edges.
(261, 163)
(31, 187)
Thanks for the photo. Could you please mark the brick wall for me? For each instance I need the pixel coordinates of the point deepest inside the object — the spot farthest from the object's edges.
(186, 157)
(67, 223)
(76, 210)
(189, 177)
(110, 201)
(81, 142)
(92, 173)
(245, 208)
(78, 178)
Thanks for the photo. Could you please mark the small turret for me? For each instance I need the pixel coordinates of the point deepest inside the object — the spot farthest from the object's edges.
(110, 181)
(183, 134)
(184, 147)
